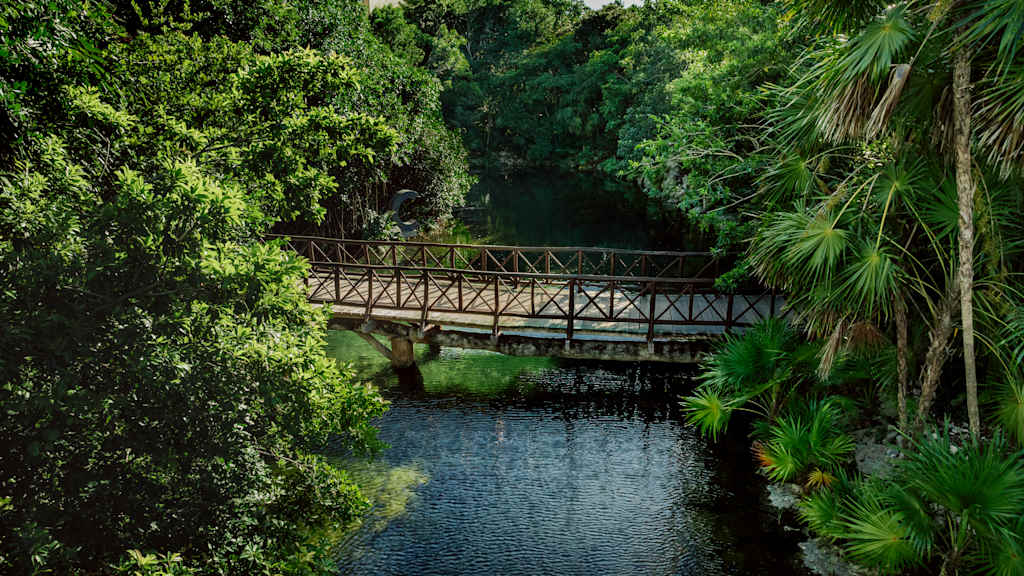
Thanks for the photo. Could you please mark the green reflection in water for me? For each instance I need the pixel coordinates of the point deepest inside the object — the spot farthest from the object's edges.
(468, 373)
(390, 489)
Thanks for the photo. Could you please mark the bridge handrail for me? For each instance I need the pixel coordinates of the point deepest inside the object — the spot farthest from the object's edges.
(586, 249)
(512, 259)
(422, 282)
(660, 280)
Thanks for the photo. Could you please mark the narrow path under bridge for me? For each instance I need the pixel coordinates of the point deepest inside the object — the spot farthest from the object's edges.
(530, 301)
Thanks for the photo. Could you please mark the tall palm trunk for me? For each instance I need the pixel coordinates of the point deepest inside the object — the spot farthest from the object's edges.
(965, 195)
(901, 360)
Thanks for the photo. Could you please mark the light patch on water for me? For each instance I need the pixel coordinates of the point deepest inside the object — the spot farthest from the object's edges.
(390, 489)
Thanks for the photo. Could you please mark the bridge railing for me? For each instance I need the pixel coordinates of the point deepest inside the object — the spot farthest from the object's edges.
(377, 277)
(513, 259)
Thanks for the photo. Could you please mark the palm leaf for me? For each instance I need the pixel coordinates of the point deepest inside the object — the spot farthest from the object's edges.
(833, 17)
(870, 283)
(998, 23)
(1000, 117)
(876, 534)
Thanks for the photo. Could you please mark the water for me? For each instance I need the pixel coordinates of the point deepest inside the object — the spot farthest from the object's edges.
(502, 466)
(559, 209)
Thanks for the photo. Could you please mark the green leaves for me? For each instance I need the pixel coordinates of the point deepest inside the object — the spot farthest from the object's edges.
(869, 283)
(876, 534)
(706, 410)
(875, 49)
(829, 16)
(808, 437)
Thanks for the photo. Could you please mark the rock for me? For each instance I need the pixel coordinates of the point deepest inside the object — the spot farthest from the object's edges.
(825, 559)
(872, 457)
(784, 496)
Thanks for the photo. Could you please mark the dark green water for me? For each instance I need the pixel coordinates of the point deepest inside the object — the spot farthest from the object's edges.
(518, 466)
(559, 209)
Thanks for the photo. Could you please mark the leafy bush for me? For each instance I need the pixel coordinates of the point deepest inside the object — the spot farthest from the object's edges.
(164, 382)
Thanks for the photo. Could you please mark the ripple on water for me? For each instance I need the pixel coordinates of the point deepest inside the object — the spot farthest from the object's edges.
(530, 466)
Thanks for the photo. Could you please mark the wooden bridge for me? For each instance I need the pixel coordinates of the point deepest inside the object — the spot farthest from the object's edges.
(529, 301)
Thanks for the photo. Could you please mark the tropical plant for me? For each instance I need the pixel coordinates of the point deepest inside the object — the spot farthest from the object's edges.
(806, 443)
(757, 370)
(946, 506)
(879, 71)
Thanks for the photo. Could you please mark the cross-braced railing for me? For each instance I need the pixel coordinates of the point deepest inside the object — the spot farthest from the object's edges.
(649, 293)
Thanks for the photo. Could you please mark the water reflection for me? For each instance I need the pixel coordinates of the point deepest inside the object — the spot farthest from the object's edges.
(535, 466)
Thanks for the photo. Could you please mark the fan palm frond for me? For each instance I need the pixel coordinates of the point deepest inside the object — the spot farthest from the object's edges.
(1008, 409)
(1000, 116)
(848, 80)
(708, 411)
(876, 533)
(833, 17)
(977, 482)
(821, 511)
(870, 283)
(998, 23)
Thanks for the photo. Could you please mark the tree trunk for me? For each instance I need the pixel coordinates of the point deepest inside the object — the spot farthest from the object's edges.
(938, 351)
(901, 360)
(965, 196)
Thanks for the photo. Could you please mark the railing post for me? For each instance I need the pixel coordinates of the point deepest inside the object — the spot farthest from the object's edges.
(643, 264)
(497, 308)
(369, 293)
(611, 299)
(515, 268)
(398, 286)
(533, 299)
(612, 270)
(571, 313)
(458, 277)
(426, 299)
(728, 313)
(547, 261)
(312, 269)
(653, 289)
(337, 272)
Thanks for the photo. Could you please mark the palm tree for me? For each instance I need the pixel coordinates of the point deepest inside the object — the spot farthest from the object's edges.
(854, 89)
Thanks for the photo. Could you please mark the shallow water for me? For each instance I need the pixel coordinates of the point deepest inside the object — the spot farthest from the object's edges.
(501, 465)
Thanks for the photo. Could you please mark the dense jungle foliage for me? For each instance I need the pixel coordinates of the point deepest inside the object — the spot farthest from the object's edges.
(162, 377)
(665, 95)
(164, 385)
